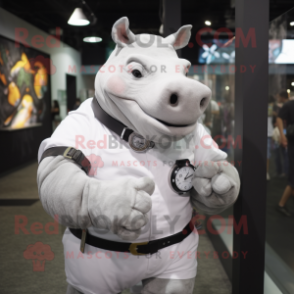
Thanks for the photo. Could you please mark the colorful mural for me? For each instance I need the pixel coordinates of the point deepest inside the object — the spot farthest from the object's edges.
(24, 85)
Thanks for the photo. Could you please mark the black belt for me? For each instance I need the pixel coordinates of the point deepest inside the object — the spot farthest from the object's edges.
(142, 248)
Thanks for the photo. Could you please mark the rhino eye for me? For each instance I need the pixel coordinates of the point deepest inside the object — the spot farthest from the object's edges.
(136, 73)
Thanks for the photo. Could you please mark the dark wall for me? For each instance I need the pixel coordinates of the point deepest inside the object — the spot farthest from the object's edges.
(21, 146)
(71, 91)
(93, 54)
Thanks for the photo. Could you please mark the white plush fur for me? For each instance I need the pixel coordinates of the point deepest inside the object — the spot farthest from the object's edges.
(138, 103)
(142, 104)
(79, 200)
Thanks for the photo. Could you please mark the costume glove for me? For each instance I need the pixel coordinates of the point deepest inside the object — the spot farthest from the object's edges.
(216, 186)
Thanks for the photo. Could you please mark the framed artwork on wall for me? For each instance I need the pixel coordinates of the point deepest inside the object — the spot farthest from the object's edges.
(25, 95)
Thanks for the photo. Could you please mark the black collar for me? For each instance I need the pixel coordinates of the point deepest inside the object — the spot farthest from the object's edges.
(111, 123)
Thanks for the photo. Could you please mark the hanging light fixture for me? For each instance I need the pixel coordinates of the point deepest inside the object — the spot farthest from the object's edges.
(92, 39)
(78, 18)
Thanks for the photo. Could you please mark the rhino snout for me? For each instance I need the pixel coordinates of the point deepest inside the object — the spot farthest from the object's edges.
(186, 93)
(174, 100)
(203, 102)
(181, 102)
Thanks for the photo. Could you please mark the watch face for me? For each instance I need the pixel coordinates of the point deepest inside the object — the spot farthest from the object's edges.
(138, 143)
(183, 177)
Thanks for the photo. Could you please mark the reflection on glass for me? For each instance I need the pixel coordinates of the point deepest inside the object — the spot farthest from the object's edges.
(216, 69)
(279, 274)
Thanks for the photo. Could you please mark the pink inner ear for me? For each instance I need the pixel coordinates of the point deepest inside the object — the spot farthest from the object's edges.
(181, 37)
(122, 33)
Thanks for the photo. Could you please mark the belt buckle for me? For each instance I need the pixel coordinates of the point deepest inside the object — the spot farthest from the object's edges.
(67, 151)
(133, 248)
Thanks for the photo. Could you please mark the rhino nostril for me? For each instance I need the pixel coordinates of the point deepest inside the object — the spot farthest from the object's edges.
(173, 99)
(202, 102)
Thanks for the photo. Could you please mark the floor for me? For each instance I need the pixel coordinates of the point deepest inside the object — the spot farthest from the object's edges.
(19, 274)
(280, 229)
(279, 254)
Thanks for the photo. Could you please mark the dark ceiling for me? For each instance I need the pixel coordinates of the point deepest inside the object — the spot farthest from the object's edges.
(144, 16)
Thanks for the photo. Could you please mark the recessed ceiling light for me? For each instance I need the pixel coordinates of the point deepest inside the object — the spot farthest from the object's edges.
(292, 23)
(92, 39)
(208, 23)
(78, 18)
(227, 88)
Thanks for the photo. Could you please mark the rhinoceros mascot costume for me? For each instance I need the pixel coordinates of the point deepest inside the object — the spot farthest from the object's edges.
(137, 223)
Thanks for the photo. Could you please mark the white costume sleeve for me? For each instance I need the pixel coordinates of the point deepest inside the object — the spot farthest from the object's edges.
(63, 186)
(64, 190)
(81, 201)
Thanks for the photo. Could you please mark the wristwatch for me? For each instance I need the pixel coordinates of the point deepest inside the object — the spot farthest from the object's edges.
(181, 176)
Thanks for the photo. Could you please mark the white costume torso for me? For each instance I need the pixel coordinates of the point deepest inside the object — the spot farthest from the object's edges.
(111, 159)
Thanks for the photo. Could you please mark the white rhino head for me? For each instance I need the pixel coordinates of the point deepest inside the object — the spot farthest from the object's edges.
(143, 84)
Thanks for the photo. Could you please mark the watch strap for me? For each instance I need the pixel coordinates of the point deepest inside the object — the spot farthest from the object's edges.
(183, 162)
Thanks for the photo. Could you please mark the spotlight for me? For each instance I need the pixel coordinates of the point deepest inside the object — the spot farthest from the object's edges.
(227, 88)
(292, 84)
(292, 23)
(78, 18)
(208, 23)
(92, 39)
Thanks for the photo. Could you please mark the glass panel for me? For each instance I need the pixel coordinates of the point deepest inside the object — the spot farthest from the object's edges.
(217, 71)
(279, 274)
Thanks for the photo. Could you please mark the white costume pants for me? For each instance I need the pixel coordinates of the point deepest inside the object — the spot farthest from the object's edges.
(99, 271)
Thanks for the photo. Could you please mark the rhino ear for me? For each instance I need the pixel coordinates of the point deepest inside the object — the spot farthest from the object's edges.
(121, 34)
(181, 38)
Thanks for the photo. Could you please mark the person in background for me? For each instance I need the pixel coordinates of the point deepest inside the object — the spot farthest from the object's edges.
(227, 122)
(77, 104)
(214, 118)
(286, 114)
(281, 157)
(55, 110)
(269, 132)
(205, 119)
